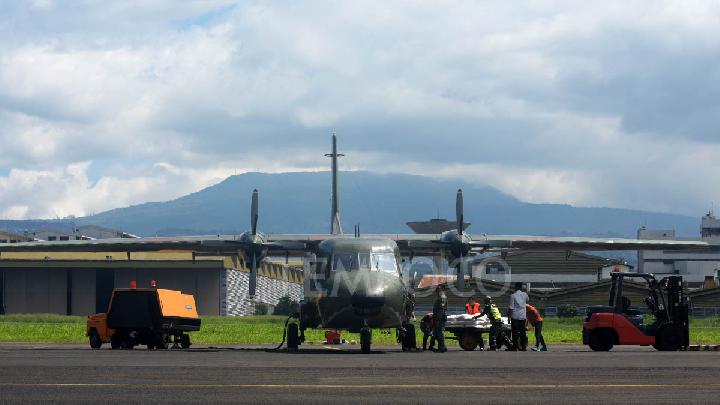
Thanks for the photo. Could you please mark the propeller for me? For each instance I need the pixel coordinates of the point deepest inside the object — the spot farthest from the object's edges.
(459, 211)
(254, 245)
(459, 220)
(254, 212)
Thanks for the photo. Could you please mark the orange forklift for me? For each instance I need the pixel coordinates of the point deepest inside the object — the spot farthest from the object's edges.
(145, 316)
(618, 324)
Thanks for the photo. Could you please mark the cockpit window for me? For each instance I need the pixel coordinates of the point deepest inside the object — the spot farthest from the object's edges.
(384, 262)
(364, 261)
(345, 262)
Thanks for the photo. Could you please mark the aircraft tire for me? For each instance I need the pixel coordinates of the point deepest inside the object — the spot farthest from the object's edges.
(365, 340)
(408, 341)
(293, 339)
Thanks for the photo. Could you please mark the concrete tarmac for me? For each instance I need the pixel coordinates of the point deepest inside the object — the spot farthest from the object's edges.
(341, 374)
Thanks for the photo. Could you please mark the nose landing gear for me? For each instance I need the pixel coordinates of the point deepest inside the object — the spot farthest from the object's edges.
(365, 340)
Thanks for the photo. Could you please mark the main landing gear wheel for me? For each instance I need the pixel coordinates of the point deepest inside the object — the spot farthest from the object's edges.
(293, 337)
(468, 342)
(407, 337)
(365, 340)
(602, 340)
(669, 338)
(95, 341)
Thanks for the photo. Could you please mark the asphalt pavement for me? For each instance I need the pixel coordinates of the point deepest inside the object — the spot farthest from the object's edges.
(341, 374)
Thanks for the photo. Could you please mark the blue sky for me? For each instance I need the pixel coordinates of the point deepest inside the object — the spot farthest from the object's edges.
(594, 104)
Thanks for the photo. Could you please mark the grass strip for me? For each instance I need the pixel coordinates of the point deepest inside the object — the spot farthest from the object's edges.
(216, 330)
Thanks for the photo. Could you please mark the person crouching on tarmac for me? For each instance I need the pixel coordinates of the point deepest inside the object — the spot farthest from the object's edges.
(440, 317)
(426, 326)
(497, 337)
(536, 320)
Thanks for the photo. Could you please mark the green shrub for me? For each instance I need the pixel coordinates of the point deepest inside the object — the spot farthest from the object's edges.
(286, 306)
(261, 308)
(567, 311)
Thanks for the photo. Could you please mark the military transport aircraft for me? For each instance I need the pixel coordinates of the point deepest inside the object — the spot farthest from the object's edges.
(353, 282)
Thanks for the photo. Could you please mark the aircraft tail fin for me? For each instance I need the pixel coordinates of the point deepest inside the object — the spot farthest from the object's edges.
(335, 227)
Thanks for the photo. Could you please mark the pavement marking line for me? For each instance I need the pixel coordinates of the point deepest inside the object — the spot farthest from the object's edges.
(356, 386)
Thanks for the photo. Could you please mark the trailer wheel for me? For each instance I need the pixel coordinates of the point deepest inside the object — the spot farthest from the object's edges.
(115, 341)
(669, 338)
(185, 341)
(468, 341)
(95, 341)
(602, 340)
(162, 341)
(293, 339)
(126, 343)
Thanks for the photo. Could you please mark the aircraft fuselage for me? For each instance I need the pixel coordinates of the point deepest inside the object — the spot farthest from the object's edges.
(355, 283)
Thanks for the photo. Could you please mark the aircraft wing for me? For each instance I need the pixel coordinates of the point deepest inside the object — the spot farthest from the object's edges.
(580, 243)
(298, 243)
(209, 243)
(433, 244)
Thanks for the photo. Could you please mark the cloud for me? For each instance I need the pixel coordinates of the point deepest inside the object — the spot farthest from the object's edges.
(602, 104)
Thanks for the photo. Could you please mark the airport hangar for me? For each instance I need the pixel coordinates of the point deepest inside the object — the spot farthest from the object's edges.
(75, 283)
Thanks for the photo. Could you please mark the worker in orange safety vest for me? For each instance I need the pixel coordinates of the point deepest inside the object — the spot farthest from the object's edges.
(472, 307)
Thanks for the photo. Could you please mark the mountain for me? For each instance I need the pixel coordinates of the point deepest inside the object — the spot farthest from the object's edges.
(380, 203)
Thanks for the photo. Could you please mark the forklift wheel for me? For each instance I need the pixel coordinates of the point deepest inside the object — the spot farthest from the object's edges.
(669, 338)
(602, 340)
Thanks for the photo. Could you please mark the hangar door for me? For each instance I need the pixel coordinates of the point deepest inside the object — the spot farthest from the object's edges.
(104, 284)
(2, 291)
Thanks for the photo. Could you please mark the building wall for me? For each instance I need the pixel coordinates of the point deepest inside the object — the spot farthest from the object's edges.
(234, 289)
(83, 291)
(36, 291)
(44, 290)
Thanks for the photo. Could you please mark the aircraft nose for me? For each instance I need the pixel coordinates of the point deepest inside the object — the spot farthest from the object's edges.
(366, 303)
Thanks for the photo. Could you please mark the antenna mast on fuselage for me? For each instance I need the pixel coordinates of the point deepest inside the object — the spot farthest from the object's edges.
(335, 228)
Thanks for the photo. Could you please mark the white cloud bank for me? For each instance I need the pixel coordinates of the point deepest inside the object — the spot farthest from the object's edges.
(600, 103)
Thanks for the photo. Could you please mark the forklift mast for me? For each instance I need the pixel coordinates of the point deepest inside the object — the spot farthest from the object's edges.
(677, 302)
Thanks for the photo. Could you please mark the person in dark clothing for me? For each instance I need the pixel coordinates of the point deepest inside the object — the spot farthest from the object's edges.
(497, 337)
(440, 317)
(426, 326)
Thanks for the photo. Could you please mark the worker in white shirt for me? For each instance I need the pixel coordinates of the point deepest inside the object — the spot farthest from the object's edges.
(518, 299)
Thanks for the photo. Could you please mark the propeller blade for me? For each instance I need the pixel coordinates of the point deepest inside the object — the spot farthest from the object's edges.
(253, 276)
(254, 212)
(459, 211)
